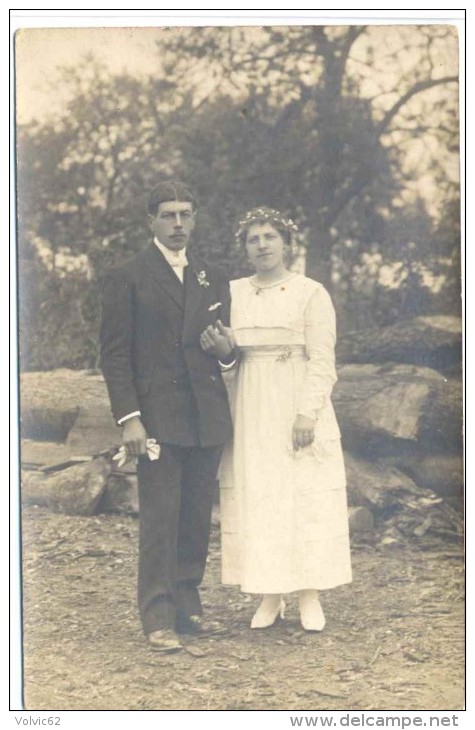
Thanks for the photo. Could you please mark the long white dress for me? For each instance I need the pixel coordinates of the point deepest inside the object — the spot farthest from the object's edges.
(284, 518)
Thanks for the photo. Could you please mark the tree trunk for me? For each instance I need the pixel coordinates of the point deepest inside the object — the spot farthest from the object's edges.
(318, 264)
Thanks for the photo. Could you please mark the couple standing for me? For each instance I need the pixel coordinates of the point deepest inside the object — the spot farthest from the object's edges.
(165, 341)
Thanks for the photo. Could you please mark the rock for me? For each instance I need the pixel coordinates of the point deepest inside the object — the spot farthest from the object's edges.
(94, 430)
(120, 495)
(47, 424)
(50, 401)
(360, 519)
(375, 485)
(381, 406)
(433, 341)
(73, 491)
(442, 473)
(43, 453)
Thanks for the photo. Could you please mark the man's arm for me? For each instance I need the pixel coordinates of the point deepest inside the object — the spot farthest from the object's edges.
(116, 360)
(116, 344)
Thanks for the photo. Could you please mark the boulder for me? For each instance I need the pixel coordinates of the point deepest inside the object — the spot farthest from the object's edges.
(73, 491)
(50, 401)
(120, 495)
(383, 408)
(37, 454)
(94, 430)
(360, 519)
(376, 486)
(433, 341)
(442, 473)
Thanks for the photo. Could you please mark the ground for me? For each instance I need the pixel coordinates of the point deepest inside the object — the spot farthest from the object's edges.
(394, 638)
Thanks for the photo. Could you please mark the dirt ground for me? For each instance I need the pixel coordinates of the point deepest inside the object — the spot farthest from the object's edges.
(394, 638)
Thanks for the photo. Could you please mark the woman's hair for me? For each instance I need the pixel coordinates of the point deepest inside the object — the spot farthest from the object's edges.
(282, 223)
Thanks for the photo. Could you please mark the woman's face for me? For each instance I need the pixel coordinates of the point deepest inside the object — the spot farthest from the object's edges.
(265, 247)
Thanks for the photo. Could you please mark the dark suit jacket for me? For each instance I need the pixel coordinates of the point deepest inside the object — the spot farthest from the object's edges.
(150, 350)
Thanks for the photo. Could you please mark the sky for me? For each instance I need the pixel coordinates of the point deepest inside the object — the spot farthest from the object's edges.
(39, 52)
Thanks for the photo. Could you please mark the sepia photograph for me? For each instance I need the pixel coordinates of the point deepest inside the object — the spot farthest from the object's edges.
(240, 366)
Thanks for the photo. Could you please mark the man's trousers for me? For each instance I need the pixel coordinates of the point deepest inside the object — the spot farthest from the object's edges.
(175, 502)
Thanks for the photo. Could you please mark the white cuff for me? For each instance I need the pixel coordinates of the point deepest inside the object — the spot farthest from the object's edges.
(126, 418)
(225, 368)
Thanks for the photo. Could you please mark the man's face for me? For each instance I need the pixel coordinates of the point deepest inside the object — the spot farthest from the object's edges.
(173, 224)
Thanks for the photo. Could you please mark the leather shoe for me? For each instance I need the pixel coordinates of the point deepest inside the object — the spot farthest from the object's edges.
(312, 617)
(197, 626)
(272, 608)
(164, 640)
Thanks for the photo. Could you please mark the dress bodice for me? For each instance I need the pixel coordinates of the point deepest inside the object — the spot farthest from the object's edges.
(270, 315)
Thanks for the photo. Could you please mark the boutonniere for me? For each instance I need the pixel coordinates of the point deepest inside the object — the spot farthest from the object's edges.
(202, 280)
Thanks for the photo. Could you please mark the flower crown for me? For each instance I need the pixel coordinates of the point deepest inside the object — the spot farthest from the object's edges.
(267, 215)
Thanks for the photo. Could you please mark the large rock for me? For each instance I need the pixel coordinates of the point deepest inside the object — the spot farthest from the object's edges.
(94, 430)
(68, 406)
(37, 454)
(121, 494)
(73, 491)
(50, 401)
(383, 408)
(376, 485)
(434, 341)
(442, 473)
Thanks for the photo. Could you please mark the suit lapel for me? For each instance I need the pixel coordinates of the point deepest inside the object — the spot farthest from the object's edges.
(195, 293)
(163, 274)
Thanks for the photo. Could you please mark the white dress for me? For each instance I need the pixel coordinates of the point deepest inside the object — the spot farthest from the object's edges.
(284, 518)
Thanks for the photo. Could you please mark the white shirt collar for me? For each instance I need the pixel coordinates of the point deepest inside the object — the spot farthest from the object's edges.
(176, 259)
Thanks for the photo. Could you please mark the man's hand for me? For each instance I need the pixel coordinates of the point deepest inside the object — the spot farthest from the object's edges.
(303, 432)
(134, 437)
(218, 341)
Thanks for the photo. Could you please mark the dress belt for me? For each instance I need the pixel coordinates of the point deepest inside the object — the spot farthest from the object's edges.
(278, 353)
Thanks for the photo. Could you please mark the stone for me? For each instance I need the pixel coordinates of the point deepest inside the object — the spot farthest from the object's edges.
(381, 408)
(375, 485)
(360, 519)
(43, 453)
(442, 473)
(121, 495)
(76, 490)
(94, 430)
(50, 401)
(432, 341)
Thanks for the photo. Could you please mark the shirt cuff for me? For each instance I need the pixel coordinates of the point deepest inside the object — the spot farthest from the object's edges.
(227, 366)
(126, 418)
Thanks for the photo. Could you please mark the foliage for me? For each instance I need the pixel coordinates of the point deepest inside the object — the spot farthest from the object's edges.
(308, 119)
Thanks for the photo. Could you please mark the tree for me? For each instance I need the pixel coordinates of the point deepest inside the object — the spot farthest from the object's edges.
(326, 74)
(312, 120)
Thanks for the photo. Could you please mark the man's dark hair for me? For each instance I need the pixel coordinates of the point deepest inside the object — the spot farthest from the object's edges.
(164, 192)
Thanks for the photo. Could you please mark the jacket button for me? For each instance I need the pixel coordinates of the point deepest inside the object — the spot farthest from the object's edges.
(177, 344)
(212, 377)
(174, 381)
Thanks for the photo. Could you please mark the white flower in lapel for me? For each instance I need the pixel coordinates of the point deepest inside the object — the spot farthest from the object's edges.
(202, 280)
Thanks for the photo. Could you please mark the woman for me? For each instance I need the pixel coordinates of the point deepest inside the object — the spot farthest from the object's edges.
(284, 517)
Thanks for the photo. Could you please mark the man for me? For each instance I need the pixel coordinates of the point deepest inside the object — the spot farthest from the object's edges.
(163, 386)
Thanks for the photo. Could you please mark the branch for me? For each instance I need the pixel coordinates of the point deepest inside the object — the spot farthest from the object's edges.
(364, 173)
(416, 89)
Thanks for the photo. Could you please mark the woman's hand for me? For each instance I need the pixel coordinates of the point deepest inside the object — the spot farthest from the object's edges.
(303, 432)
(218, 340)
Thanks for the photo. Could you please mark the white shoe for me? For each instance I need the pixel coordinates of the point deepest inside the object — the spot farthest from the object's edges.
(311, 612)
(272, 606)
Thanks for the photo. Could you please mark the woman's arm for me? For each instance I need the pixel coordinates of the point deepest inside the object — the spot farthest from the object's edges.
(320, 338)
